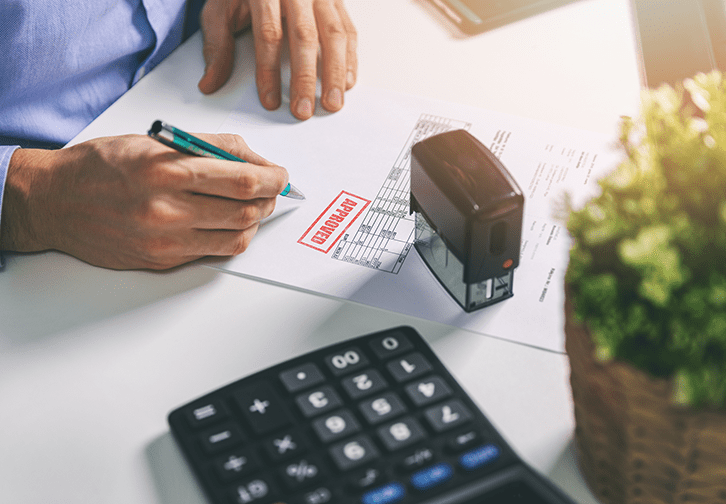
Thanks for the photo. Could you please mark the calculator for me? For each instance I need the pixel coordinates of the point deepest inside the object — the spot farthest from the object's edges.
(377, 419)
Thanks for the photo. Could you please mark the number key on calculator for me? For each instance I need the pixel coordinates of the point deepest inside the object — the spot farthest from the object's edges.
(373, 420)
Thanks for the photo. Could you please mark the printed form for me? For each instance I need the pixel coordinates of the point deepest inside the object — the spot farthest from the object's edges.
(353, 236)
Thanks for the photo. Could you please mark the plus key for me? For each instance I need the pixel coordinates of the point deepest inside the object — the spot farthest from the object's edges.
(262, 407)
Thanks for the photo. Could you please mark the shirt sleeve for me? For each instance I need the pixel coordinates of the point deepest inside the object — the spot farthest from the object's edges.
(6, 152)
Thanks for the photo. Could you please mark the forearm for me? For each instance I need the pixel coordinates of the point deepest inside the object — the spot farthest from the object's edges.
(25, 169)
(6, 153)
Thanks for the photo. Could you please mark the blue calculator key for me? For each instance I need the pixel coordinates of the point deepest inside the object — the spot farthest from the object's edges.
(386, 494)
(479, 457)
(432, 476)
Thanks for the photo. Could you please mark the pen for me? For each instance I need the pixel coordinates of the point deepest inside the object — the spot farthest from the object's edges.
(189, 144)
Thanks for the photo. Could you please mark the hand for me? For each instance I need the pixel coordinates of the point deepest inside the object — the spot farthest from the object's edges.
(309, 23)
(130, 202)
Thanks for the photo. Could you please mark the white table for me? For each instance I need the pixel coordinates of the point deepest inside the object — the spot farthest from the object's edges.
(92, 360)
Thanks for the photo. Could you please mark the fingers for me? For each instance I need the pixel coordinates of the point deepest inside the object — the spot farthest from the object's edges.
(268, 37)
(334, 49)
(311, 24)
(351, 50)
(226, 243)
(303, 34)
(170, 251)
(220, 20)
(225, 214)
(257, 178)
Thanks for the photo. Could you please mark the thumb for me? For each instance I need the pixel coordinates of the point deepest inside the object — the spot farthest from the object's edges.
(218, 48)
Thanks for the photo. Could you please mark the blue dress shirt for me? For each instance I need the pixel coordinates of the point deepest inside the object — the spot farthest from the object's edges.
(63, 62)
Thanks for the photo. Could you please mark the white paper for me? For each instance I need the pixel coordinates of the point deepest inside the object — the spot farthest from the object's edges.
(363, 151)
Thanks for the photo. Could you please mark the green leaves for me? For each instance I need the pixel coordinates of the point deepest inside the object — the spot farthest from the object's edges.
(657, 260)
(648, 262)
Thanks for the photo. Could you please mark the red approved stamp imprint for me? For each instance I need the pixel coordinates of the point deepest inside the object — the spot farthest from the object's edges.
(334, 221)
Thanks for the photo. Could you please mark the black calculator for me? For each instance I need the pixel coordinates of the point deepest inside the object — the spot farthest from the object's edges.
(377, 419)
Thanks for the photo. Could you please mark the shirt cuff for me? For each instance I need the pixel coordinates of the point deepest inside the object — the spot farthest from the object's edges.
(6, 152)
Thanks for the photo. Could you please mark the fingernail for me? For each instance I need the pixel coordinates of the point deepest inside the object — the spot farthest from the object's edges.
(271, 100)
(335, 99)
(350, 79)
(304, 108)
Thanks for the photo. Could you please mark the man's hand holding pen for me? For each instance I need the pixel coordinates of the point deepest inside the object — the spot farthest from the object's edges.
(129, 202)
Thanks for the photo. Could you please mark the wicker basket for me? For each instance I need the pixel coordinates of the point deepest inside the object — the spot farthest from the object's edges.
(634, 446)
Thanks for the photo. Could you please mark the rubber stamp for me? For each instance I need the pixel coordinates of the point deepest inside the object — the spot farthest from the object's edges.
(468, 212)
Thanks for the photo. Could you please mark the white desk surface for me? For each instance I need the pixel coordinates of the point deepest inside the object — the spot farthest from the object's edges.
(92, 360)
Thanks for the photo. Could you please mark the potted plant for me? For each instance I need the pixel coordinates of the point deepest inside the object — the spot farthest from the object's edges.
(646, 306)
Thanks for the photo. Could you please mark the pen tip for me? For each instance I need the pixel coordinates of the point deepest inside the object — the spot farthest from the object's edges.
(295, 193)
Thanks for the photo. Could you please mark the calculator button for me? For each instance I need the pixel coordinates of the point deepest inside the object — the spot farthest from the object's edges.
(390, 345)
(353, 453)
(234, 465)
(479, 457)
(365, 479)
(301, 473)
(336, 426)
(284, 446)
(222, 438)
(403, 432)
(386, 494)
(301, 377)
(447, 415)
(346, 361)
(318, 401)
(256, 490)
(320, 495)
(417, 459)
(363, 384)
(432, 476)
(262, 408)
(409, 366)
(204, 414)
(382, 408)
(428, 391)
(463, 441)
